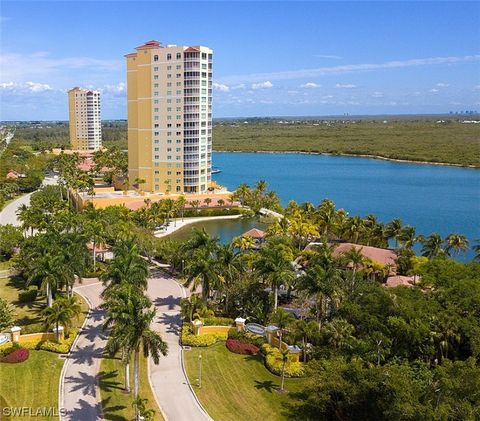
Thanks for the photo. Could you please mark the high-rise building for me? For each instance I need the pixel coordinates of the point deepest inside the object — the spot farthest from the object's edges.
(84, 116)
(169, 91)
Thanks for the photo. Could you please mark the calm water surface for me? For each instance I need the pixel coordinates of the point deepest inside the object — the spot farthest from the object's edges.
(429, 197)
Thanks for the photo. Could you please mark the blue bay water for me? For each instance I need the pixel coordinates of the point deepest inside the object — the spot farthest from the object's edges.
(429, 197)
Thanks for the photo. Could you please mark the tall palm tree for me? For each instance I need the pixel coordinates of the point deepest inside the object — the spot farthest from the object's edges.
(339, 333)
(127, 266)
(432, 246)
(407, 237)
(48, 269)
(180, 204)
(129, 316)
(476, 249)
(242, 193)
(393, 230)
(243, 243)
(285, 355)
(305, 330)
(354, 257)
(455, 243)
(207, 201)
(274, 266)
(353, 228)
(230, 266)
(61, 313)
(282, 320)
(97, 233)
(202, 270)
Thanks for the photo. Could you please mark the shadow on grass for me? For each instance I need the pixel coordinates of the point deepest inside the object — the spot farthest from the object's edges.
(267, 385)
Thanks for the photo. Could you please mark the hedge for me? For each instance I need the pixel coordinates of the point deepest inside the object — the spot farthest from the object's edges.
(189, 339)
(247, 337)
(7, 348)
(59, 348)
(273, 361)
(28, 296)
(217, 321)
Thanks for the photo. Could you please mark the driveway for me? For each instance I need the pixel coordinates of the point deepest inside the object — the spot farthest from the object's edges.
(80, 395)
(168, 378)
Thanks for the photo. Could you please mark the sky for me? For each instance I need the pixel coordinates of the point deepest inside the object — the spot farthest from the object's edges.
(288, 58)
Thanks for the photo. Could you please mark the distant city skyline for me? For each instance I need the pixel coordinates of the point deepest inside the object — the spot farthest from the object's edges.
(272, 58)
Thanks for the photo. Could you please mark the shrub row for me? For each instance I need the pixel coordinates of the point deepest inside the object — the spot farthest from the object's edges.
(16, 356)
(273, 361)
(189, 339)
(248, 338)
(239, 347)
(7, 348)
(52, 346)
(212, 212)
(28, 296)
(217, 321)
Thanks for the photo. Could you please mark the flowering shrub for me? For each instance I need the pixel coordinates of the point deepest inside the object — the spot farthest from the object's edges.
(16, 356)
(188, 338)
(247, 337)
(273, 361)
(239, 347)
(52, 346)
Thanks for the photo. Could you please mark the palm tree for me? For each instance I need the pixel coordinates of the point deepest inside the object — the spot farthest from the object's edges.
(243, 243)
(195, 204)
(243, 192)
(354, 257)
(207, 201)
(61, 313)
(285, 355)
(220, 202)
(455, 243)
(476, 249)
(48, 269)
(305, 330)
(274, 266)
(340, 334)
(180, 203)
(282, 320)
(129, 315)
(432, 246)
(407, 237)
(352, 228)
(127, 266)
(202, 269)
(138, 182)
(190, 306)
(97, 233)
(393, 230)
(230, 266)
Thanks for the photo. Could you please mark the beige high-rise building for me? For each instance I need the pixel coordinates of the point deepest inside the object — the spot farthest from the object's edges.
(85, 121)
(169, 91)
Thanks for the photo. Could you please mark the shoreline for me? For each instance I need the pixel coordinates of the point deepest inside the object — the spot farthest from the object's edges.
(177, 223)
(367, 156)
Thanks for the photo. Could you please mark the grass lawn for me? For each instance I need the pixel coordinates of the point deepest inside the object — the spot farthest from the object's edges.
(118, 404)
(33, 383)
(28, 314)
(237, 387)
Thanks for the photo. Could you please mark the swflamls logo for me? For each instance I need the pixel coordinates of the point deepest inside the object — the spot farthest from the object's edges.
(28, 411)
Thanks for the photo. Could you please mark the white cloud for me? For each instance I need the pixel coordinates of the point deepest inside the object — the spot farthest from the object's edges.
(240, 86)
(443, 85)
(38, 87)
(348, 68)
(345, 86)
(293, 92)
(377, 94)
(118, 90)
(220, 87)
(8, 85)
(262, 85)
(434, 90)
(329, 56)
(310, 85)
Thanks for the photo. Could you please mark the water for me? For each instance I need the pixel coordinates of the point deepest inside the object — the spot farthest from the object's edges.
(429, 197)
(224, 229)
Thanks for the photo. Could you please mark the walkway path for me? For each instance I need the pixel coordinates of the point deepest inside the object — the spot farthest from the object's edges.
(169, 382)
(79, 390)
(176, 224)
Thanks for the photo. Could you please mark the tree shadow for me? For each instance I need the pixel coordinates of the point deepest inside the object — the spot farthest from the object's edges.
(172, 322)
(170, 301)
(267, 385)
(93, 333)
(86, 354)
(106, 382)
(86, 411)
(97, 314)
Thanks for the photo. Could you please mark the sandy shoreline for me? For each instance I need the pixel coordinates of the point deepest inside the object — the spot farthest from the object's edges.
(383, 158)
(177, 223)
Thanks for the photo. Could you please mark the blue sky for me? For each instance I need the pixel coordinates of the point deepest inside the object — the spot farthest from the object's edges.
(270, 58)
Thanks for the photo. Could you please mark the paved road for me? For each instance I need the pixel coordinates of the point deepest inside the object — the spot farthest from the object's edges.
(8, 215)
(80, 375)
(168, 379)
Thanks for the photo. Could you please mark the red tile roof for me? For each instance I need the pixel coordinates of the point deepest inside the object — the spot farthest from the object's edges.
(149, 44)
(395, 281)
(192, 50)
(254, 233)
(383, 256)
(12, 174)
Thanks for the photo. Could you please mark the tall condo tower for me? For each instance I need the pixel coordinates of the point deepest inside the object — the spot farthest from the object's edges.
(84, 116)
(169, 91)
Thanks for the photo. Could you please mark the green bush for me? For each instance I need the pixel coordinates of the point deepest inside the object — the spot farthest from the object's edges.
(217, 321)
(7, 348)
(247, 338)
(52, 346)
(32, 328)
(212, 212)
(273, 361)
(189, 339)
(28, 296)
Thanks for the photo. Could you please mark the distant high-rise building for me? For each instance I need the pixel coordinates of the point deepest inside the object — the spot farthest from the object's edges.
(169, 91)
(84, 116)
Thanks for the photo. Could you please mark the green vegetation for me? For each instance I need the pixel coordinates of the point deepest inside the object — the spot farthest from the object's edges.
(117, 404)
(237, 386)
(417, 140)
(33, 383)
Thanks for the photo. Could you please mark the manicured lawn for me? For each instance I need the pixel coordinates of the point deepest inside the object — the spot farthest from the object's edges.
(118, 404)
(237, 387)
(33, 383)
(28, 314)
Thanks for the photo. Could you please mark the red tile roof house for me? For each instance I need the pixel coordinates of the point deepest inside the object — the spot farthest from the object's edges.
(385, 257)
(255, 233)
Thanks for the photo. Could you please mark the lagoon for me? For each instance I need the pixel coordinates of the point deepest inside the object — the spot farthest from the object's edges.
(432, 198)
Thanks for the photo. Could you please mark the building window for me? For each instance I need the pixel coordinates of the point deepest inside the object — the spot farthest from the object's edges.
(204, 56)
(179, 75)
(155, 58)
(155, 69)
(169, 109)
(169, 75)
(155, 85)
(169, 56)
(169, 67)
(155, 110)
(179, 189)
(179, 66)
(169, 157)
(179, 83)
(178, 100)
(169, 84)
(169, 125)
(155, 77)
(169, 140)
(179, 92)
(179, 56)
